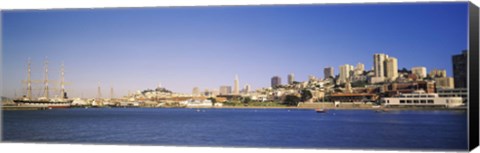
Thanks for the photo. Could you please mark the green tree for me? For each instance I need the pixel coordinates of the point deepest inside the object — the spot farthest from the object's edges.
(291, 100)
(306, 95)
(246, 100)
(213, 100)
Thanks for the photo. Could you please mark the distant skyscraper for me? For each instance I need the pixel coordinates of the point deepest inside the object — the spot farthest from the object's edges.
(196, 91)
(246, 89)
(291, 78)
(420, 71)
(391, 68)
(345, 73)
(328, 72)
(276, 81)
(379, 64)
(236, 90)
(460, 71)
(225, 90)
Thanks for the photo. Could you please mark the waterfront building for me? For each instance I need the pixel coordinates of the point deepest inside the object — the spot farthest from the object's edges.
(276, 81)
(454, 92)
(435, 73)
(422, 99)
(225, 90)
(391, 68)
(444, 82)
(290, 78)
(460, 71)
(420, 72)
(328, 72)
(236, 87)
(345, 73)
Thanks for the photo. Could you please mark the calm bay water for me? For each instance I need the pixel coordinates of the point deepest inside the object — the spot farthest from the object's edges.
(272, 128)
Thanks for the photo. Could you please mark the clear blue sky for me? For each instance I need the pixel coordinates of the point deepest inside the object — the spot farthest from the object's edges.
(183, 47)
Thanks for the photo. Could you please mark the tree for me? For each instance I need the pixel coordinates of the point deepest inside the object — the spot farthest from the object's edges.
(306, 95)
(291, 100)
(246, 100)
(213, 100)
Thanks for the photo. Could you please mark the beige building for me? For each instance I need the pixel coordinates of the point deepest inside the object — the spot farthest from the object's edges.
(438, 73)
(378, 64)
(345, 73)
(444, 82)
(391, 71)
(421, 72)
(328, 72)
(236, 90)
(291, 78)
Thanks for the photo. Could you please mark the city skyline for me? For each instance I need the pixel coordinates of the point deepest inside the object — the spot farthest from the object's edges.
(206, 47)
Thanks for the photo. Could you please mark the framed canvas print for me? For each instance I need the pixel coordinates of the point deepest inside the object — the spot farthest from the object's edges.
(369, 76)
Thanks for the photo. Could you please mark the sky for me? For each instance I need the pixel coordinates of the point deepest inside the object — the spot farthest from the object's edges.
(133, 49)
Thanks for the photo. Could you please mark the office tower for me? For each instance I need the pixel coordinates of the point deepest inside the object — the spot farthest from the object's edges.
(225, 90)
(276, 81)
(345, 73)
(246, 89)
(236, 90)
(291, 78)
(460, 72)
(196, 91)
(391, 68)
(445, 82)
(328, 72)
(378, 63)
(420, 71)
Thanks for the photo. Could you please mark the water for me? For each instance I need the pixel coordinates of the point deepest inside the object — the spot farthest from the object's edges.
(272, 128)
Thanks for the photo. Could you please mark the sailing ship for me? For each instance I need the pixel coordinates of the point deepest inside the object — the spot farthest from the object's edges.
(45, 101)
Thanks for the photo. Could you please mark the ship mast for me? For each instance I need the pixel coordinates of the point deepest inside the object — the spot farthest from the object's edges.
(29, 81)
(62, 83)
(45, 94)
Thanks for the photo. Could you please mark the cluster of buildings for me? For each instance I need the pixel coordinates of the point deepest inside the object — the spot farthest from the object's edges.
(353, 84)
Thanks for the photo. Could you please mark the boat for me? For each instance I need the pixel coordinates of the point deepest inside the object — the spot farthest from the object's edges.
(45, 101)
(420, 98)
(320, 110)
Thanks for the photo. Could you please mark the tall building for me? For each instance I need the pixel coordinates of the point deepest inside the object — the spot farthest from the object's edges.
(420, 71)
(276, 81)
(445, 82)
(196, 91)
(225, 90)
(312, 78)
(345, 73)
(379, 64)
(460, 71)
(391, 68)
(236, 90)
(328, 72)
(290, 78)
(246, 89)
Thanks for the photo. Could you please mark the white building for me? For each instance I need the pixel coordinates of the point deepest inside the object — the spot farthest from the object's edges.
(391, 71)
(420, 71)
(345, 73)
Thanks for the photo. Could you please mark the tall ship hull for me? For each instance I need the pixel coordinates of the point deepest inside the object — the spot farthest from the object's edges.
(39, 103)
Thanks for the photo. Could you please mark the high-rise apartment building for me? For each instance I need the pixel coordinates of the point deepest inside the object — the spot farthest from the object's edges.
(276, 81)
(460, 71)
(391, 68)
(344, 73)
(291, 78)
(328, 72)
(236, 87)
(225, 90)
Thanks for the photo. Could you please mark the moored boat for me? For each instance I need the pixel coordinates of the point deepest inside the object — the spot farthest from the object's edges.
(320, 110)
